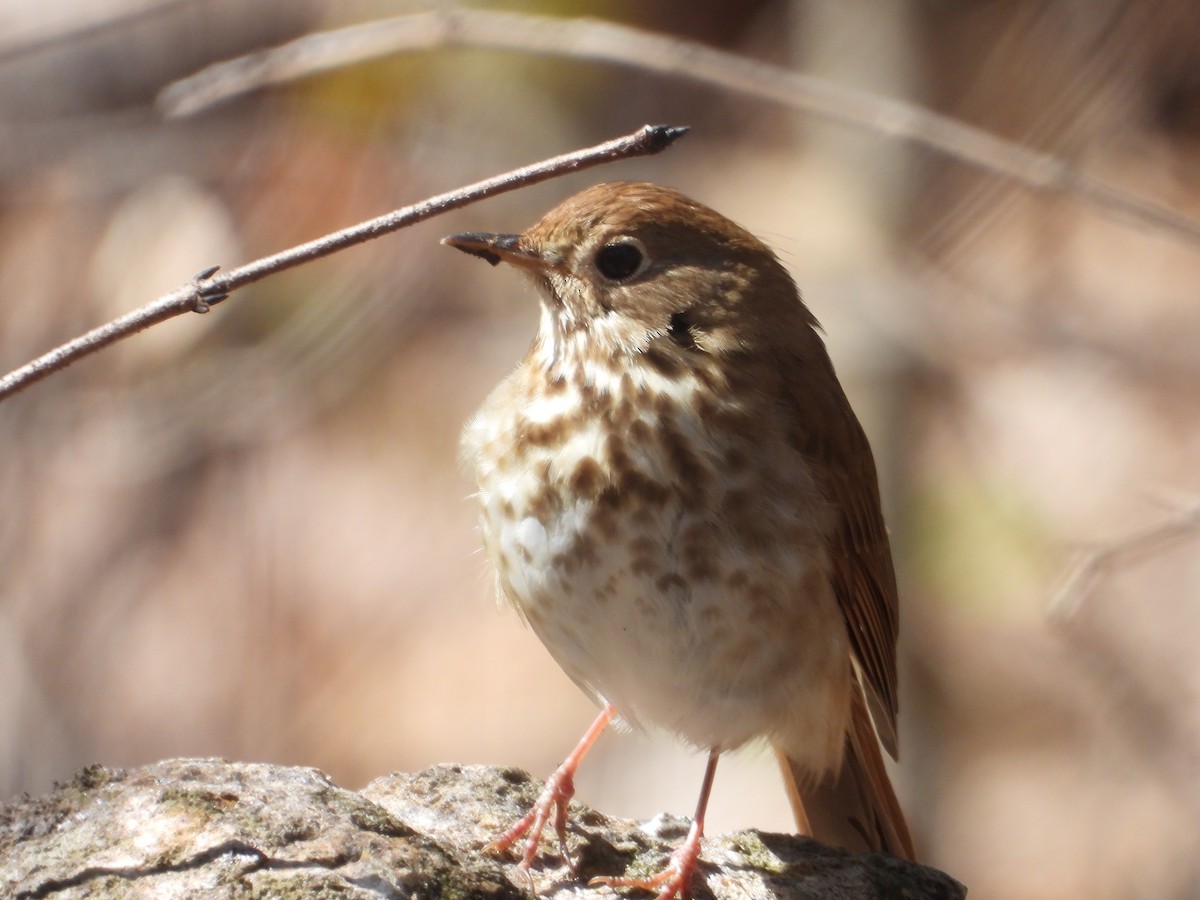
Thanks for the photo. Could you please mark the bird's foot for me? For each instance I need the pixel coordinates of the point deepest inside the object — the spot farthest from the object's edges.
(673, 881)
(555, 797)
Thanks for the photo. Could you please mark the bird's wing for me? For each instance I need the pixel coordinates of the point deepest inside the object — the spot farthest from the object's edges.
(831, 438)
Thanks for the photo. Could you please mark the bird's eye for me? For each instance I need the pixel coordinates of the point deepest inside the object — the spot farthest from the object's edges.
(620, 260)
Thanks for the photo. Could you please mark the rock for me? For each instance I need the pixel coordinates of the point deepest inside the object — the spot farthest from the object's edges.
(212, 828)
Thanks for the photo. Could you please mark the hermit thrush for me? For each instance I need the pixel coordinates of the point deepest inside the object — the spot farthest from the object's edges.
(678, 498)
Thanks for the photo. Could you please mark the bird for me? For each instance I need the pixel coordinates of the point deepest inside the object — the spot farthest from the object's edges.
(680, 502)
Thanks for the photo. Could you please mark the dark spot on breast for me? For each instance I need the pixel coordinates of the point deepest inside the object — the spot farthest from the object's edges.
(643, 545)
(637, 486)
(704, 406)
(634, 487)
(545, 503)
(699, 552)
(587, 478)
(662, 361)
(619, 460)
(663, 405)
(644, 556)
(711, 379)
(686, 465)
(643, 565)
(607, 590)
(623, 413)
(640, 431)
(582, 551)
(607, 503)
(604, 514)
(544, 434)
(669, 582)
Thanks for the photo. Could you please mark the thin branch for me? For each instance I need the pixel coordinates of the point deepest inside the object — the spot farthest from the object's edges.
(208, 288)
(594, 39)
(1089, 568)
(77, 33)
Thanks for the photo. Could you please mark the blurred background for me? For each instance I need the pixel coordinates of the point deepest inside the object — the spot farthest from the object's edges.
(248, 535)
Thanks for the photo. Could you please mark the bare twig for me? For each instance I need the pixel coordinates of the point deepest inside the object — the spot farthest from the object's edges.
(593, 39)
(80, 32)
(1094, 564)
(208, 288)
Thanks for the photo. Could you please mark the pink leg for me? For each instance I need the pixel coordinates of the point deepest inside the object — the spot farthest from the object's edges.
(560, 788)
(676, 878)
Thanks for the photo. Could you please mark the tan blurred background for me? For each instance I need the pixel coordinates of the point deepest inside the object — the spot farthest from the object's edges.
(247, 534)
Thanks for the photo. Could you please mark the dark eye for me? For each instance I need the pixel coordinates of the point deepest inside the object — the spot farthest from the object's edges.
(620, 260)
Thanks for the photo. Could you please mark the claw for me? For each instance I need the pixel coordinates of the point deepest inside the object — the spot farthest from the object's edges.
(556, 796)
(560, 788)
(676, 879)
(673, 881)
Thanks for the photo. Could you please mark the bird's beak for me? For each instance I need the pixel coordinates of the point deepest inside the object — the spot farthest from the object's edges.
(497, 248)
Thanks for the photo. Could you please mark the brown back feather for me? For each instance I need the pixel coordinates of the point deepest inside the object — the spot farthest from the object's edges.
(863, 576)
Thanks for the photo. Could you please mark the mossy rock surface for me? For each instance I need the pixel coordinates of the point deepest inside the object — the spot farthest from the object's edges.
(213, 828)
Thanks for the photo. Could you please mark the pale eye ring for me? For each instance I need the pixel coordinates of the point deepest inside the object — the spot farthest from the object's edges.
(621, 259)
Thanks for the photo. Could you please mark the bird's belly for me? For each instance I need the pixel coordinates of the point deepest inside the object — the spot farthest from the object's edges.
(679, 613)
(672, 555)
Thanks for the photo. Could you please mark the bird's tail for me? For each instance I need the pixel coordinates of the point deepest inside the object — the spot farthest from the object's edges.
(854, 808)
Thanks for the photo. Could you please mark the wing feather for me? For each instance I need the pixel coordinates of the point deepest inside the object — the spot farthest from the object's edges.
(829, 435)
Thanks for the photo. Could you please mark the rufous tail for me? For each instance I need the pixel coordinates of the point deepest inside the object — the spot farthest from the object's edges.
(855, 808)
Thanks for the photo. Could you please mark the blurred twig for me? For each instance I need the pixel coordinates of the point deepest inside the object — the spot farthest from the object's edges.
(120, 19)
(1140, 691)
(595, 39)
(209, 288)
(1095, 563)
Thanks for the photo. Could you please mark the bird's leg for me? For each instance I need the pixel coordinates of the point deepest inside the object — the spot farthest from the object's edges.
(560, 788)
(676, 879)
